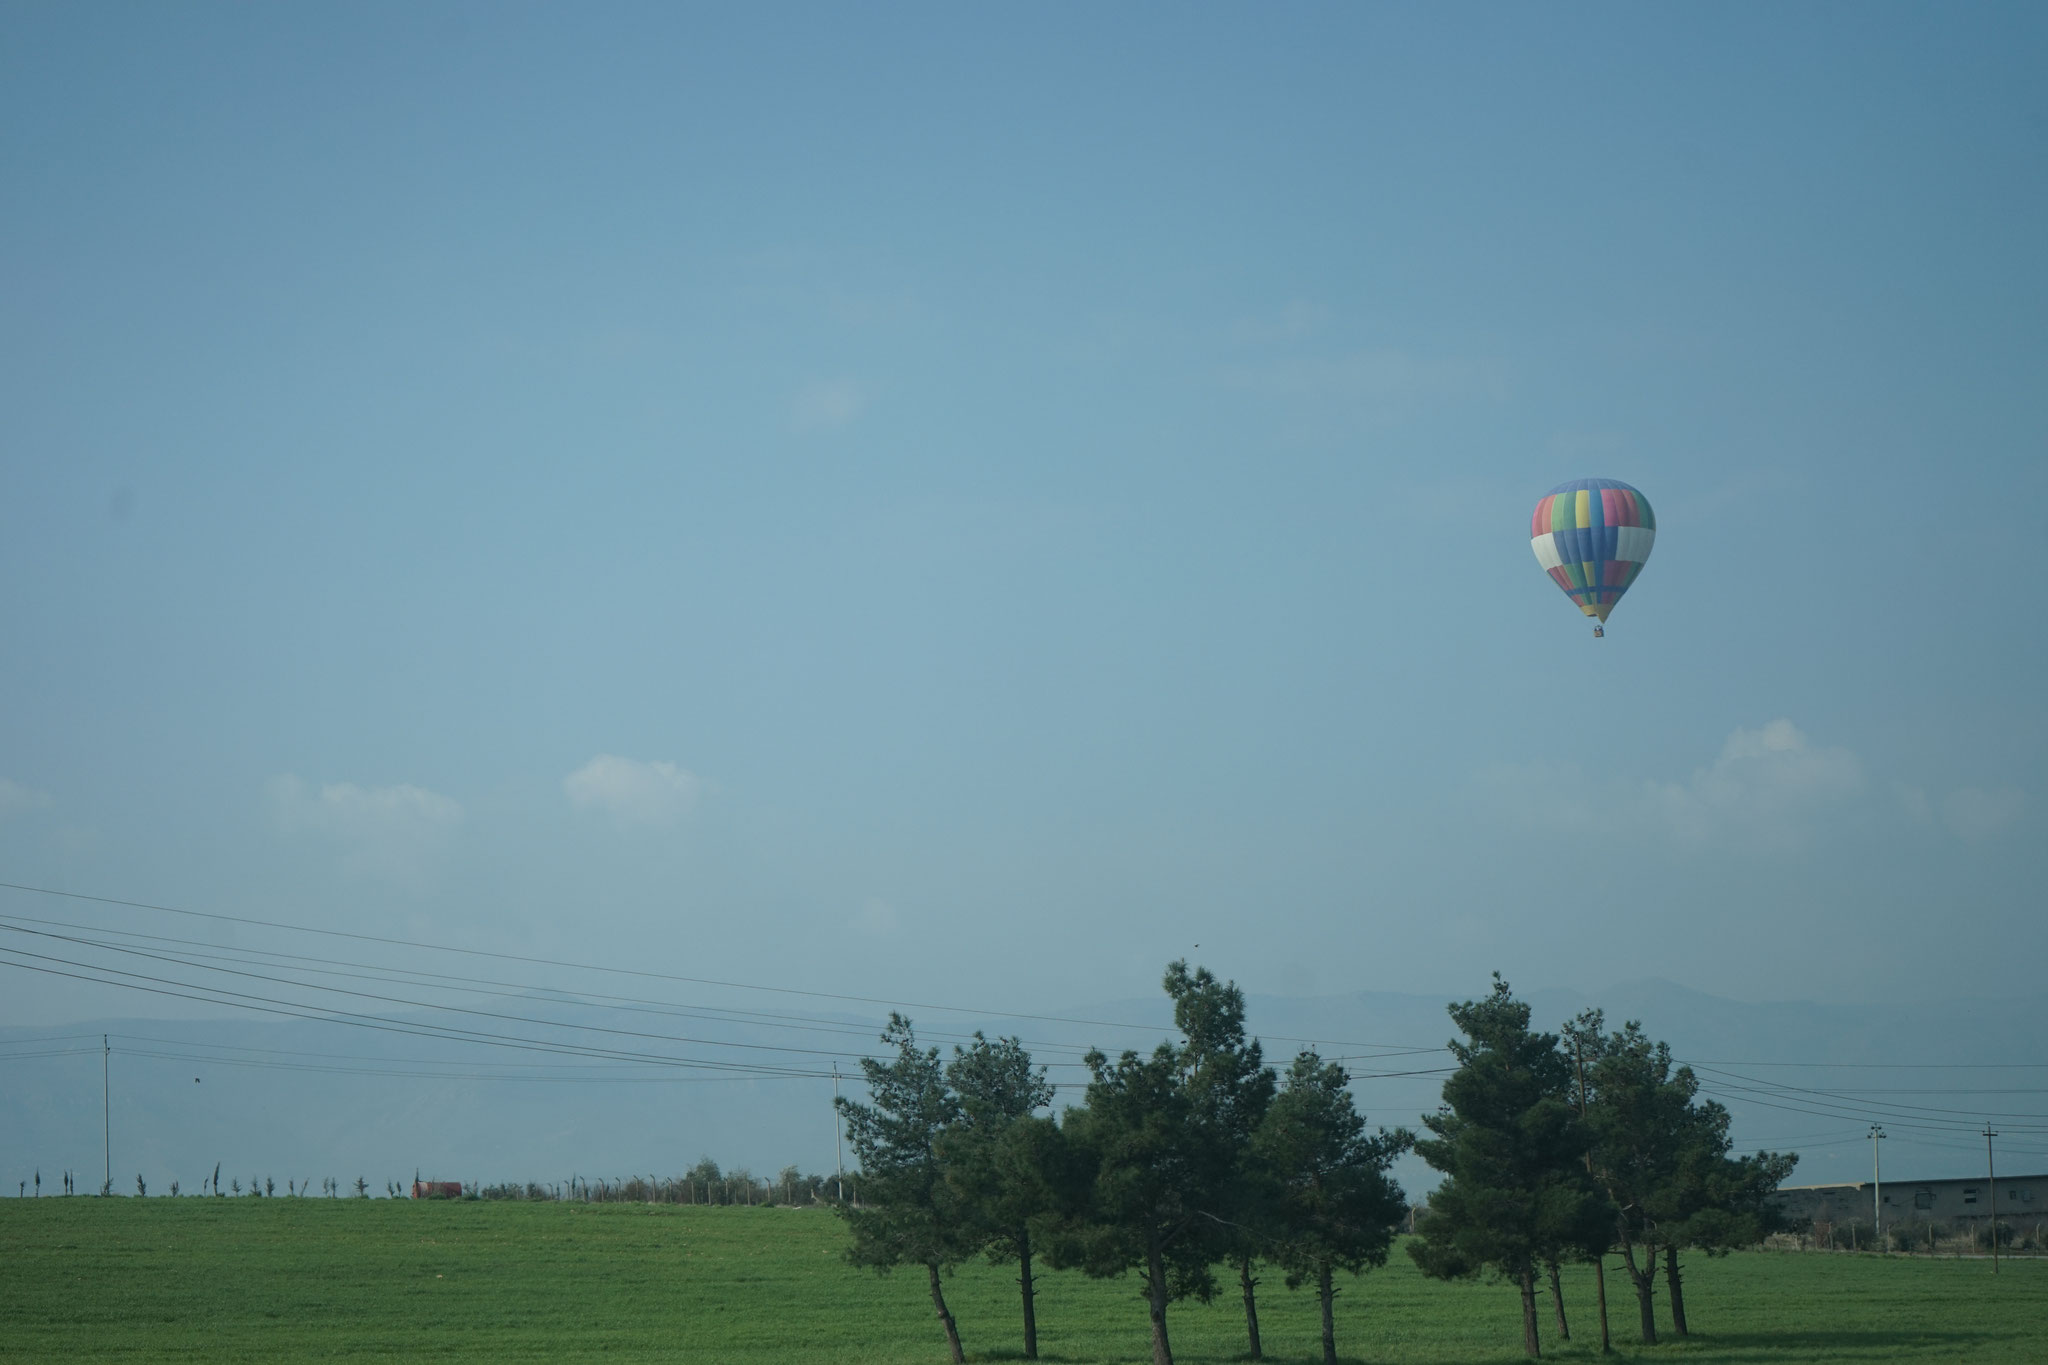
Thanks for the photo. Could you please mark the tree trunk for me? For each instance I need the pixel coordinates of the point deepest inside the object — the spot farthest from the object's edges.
(1251, 1305)
(1030, 1293)
(1600, 1287)
(1155, 1294)
(1645, 1281)
(1329, 1318)
(946, 1317)
(1677, 1294)
(1531, 1343)
(1564, 1331)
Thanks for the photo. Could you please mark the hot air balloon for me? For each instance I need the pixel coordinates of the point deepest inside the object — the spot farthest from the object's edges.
(1592, 536)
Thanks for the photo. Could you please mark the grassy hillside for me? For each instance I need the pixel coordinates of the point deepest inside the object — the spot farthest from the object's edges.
(314, 1279)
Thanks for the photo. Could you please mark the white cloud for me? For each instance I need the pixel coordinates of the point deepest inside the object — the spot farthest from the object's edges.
(382, 831)
(1767, 789)
(827, 404)
(1770, 788)
(653, 793)
(1764, 786)
(1976, 814)
(16, 799)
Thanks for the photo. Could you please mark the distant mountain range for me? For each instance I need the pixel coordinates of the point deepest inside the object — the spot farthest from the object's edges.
(303, 1100)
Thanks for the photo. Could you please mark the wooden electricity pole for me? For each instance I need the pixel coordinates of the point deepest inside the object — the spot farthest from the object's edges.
(107, 1109)
(1991, 1171)
(838, 1134)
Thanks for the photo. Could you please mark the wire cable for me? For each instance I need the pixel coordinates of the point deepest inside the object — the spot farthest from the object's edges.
(976, 1011)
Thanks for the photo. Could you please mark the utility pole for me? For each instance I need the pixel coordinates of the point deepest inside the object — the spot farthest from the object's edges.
(1991, 1170)
(107, 1108)
(838, 1129)
(1877, 1185)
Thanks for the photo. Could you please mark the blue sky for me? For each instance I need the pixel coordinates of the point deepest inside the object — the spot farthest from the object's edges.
(971, 503)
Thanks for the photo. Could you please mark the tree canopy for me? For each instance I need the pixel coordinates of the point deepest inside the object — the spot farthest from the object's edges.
(1510, 1145)
(1333, 1207)
(1006, 1166)
(1662, 1156)
(1196, 1156)
(908, 1215)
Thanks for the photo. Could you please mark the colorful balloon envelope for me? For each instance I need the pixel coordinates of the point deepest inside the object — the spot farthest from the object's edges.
(1592, 537)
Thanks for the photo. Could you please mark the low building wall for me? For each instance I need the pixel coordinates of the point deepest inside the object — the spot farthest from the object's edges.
(2021, 1198)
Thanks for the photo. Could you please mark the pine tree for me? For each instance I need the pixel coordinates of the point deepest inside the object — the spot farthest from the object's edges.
(908, 1214)
(1003, 1161)
(1230, 1090)
(1662, 1154)
(1334, 1206)
(1509, 1143)
(1162, 1138)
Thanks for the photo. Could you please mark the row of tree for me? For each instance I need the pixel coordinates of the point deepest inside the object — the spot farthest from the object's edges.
(1561, 1148)
(703, 1183)
(1195, 1157)
(1199, 1158)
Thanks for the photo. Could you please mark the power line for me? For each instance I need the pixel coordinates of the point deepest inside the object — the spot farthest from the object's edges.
(184, 961)
(419, 1004)
(448, 1075)
(415, 976)
(290, 1009)
(1884, 1066)
(295, 1009)
(1958, 1090)
(1841, 1103)
(1829, 1138)
(1835, 1097)
(1391, 1075)
(975, 1011)
(1862, 1116)
(46, 1038)
(1831, 1108)
(352, 1056)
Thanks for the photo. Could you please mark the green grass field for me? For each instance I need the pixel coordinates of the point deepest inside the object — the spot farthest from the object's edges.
(318, 1279)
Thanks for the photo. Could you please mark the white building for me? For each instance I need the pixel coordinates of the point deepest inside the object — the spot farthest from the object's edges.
(2022, 1199)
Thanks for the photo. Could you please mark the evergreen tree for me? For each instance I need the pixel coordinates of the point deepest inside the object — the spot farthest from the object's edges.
(1729, 1201)
(1335, 1208)
(1141, 1205)
(1005, 1163)
(1509, 1143)
(1163, 1140)
(908, 1214)
(1663, 1155)
(1581, 1036)
(1230, 1090)
(1636, 1118)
